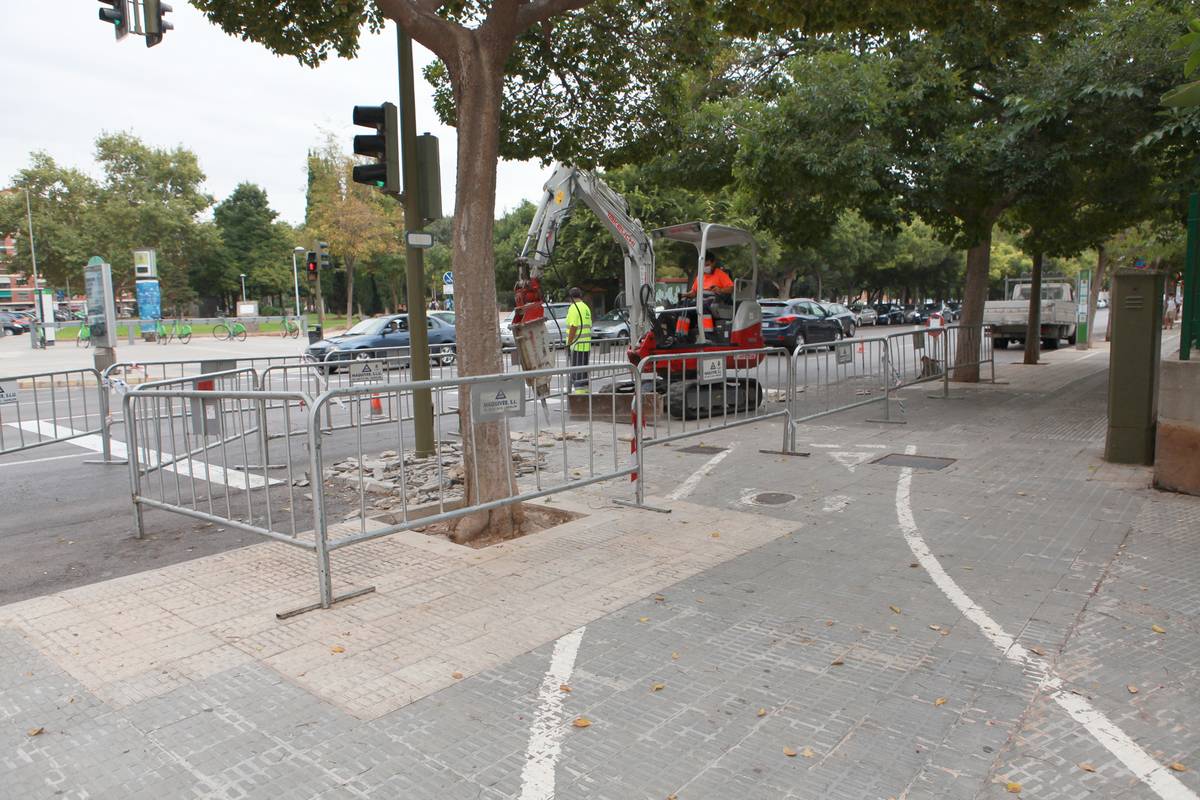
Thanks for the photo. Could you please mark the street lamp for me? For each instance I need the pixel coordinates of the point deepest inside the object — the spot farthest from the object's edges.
(243, 287)
(296, 278)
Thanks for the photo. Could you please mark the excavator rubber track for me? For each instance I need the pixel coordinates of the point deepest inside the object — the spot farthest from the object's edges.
(694, 400)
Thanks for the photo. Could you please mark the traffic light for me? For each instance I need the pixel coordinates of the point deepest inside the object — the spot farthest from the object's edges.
(384, 147)
(154, 13)
(310, 264)
(323, 256)
(118, 14)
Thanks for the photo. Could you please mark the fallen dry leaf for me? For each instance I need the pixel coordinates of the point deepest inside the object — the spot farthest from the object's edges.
(941, 701)
(828, 623)
(658, 687)
(895, 609)
(807, 752)
(674, 656)
(789, 752)
(837, 662)
(762, 712)
(562, 687)
(1038, 650)
(1013, 788)
(715, 534)
(935, 627)
(914, 565)
(672, 797)
(1175, 765)
(1086, 767)
(337, 648)
(35, 731)
(658, 598)
(1132, 689)
(1158, 629)
(456, 675)
(893, 628)
(643, 619)
(1019, 494)
(582, 722)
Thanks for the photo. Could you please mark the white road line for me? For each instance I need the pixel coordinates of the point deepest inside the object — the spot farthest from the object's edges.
(233, 478)
(1116, 741)
(689, 486)
(40, 460)
(546, 735)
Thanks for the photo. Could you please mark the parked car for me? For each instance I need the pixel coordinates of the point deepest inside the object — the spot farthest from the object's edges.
(506, 333)
(613, 325)
(955, 308)
(12, 323)
(790, 323)
(843, 315)
(384, 332)
(889, 314)
(556, 323)
(445, 316)
(866, 315)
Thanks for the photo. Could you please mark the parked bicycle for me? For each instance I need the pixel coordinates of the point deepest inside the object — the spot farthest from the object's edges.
(84, 336)
(178, 330)
(226, 330)
(290, 329)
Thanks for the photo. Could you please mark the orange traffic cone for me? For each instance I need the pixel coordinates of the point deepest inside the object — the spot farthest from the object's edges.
(376, 406)
(860, 347)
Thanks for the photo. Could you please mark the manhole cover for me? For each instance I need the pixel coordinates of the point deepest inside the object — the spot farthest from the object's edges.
(773, 498)
(703, 449)
(918, 462)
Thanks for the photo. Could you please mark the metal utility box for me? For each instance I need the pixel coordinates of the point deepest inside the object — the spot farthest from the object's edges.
(1136, 308)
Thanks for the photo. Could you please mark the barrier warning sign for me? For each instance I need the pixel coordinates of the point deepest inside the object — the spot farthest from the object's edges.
(845, 352)
(8, 393)
(366, 371)
(712, 370)
(493, 400)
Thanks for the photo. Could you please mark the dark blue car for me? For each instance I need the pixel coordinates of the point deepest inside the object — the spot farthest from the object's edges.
(371, 338)
(789, 323)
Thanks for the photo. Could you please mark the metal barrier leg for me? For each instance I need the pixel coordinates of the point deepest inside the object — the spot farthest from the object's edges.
(887, 392)
(639, 486)
(320, 527)
(135, 482)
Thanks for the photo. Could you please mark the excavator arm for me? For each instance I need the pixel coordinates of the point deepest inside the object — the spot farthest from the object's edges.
(564, 187)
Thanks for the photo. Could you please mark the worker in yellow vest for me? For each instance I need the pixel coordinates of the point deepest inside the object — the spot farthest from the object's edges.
(579, 339)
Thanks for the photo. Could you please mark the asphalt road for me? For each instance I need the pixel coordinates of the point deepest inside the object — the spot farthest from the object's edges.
(64, 522)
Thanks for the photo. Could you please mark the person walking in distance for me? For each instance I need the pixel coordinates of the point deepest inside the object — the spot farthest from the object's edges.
(579, 338)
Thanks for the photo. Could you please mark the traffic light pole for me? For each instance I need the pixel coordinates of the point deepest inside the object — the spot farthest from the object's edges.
(414, 257)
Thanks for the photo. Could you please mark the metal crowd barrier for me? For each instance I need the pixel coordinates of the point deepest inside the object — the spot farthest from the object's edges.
(835, 377)
(700, 394)
(839, 376)
(208, 454)
(46, 407)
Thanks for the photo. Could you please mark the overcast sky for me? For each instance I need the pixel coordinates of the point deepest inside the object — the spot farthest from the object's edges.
(249, 115)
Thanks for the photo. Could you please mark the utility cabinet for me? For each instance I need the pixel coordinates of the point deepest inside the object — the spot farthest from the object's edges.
(1136, 307)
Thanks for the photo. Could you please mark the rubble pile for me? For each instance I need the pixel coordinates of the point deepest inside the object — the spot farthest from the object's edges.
(441, 476)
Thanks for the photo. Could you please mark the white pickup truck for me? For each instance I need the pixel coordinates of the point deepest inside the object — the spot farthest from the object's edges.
(1009, 319)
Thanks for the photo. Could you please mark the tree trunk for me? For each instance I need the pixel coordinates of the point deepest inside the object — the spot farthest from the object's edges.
(784, 284)
(816, 273)
(1094, 292)
(1033, 327)
(477, 79)
(974, 296)
(349, 292)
